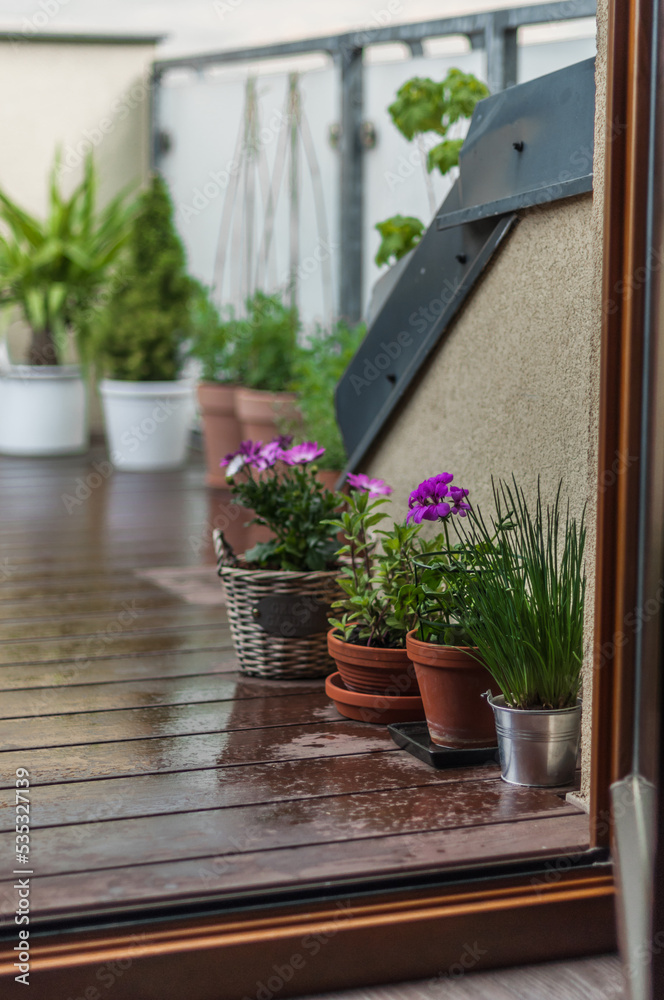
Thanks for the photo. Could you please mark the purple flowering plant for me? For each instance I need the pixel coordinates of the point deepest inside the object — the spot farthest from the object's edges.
(277, 481)
(438, 594)
(376, 566)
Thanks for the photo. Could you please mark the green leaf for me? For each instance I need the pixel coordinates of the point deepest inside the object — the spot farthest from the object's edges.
(444, 156)
(399, 235)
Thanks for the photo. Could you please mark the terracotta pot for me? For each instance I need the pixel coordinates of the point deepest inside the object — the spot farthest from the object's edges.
(375, 671)
(221, 427)
(452, 683)
(261, 414)
(377, 708)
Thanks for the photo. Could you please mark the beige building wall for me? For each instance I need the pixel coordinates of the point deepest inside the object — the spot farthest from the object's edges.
(513, 388)
(75, 96)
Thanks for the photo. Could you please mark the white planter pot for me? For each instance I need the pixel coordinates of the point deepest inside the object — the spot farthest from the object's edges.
(43, 411)
(147, 423)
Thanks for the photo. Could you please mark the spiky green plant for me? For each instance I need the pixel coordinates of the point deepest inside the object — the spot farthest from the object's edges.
(527, 599)
(53, 269)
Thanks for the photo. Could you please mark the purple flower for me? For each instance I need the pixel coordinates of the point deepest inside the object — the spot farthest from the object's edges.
(458, 496)
(433, 489)
(283, 440)
(302, 454)
(429, 512)
(374, 487)
(248, 451)
(430, 500)
(268, 455)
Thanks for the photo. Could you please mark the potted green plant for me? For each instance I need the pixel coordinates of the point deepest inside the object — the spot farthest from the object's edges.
(451, 675)
(319, 366)
(53, 271)
(279, 592)
(428, 107)
(528, 600)
(140, 342)
(368, 641)
(212, 345)
(265, 349)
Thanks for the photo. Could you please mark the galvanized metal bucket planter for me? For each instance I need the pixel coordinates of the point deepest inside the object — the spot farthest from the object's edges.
(537, 746)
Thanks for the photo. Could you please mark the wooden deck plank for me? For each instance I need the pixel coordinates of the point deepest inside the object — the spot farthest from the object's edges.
(103, 584)
(130, 724)
(110, 641)
(129, 615)
(188, 753)
(109, 669)
(241, 785)
(195, 689)
(85, 605)
(287, 867)
(329, 819)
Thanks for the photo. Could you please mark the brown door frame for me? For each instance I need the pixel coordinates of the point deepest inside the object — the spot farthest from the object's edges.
(419, 933)
(627, 263)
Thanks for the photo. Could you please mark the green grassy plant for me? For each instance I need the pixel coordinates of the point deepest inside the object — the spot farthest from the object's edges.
(527, 599)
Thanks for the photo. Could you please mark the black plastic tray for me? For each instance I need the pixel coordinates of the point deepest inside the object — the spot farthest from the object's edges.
(414, 737)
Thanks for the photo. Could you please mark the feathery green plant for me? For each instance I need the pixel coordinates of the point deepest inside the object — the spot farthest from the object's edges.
(527, 599)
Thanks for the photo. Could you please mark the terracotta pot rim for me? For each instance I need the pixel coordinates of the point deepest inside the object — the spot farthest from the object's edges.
(410, 638)
(207, 384)
(337, 691)
(354, 650)
(244, 390)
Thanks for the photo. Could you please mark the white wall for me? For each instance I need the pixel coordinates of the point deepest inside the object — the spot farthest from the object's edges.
(72, 96)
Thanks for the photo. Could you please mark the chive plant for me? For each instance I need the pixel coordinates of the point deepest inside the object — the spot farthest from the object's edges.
(527, 600)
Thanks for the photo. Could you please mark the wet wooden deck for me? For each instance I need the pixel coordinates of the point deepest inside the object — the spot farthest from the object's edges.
(157, 772)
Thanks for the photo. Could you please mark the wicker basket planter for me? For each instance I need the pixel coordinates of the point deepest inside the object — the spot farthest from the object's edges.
(278, 620)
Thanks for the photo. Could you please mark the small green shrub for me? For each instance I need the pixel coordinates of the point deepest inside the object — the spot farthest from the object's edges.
(264, 343)
(211, 340)
(141, 335)
(319, 366)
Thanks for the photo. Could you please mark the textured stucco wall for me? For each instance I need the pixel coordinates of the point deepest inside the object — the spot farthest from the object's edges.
(513, 387)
